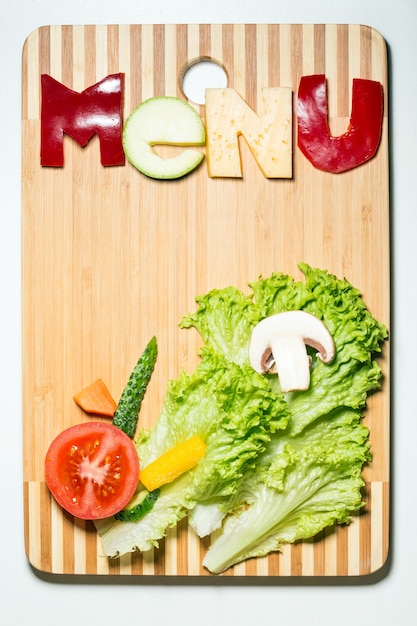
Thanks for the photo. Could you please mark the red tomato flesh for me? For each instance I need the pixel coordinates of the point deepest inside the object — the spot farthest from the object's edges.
(92, 470)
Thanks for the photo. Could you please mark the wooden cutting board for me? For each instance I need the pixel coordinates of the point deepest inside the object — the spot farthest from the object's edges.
(111, 257)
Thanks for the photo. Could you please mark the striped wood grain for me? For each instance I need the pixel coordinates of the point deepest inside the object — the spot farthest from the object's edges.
(111, 257)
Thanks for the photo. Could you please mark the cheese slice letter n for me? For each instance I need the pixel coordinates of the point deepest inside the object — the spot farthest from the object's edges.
(269, 135)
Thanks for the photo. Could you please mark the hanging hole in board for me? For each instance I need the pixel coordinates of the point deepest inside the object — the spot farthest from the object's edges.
(199, 75)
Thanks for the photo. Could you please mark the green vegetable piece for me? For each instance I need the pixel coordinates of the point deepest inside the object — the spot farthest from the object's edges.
(127, 412)
(139, 509)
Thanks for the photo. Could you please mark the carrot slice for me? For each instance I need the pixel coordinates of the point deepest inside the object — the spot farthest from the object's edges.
(173, 463)
(96, 399)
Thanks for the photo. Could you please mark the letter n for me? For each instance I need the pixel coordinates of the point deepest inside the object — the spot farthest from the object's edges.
(269, 135)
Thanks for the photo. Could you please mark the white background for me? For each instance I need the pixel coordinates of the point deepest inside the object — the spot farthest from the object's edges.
(26, 598)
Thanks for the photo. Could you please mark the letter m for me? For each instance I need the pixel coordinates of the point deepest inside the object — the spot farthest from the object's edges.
(96, 110)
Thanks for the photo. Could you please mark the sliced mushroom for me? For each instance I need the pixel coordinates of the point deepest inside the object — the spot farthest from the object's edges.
(278, 345)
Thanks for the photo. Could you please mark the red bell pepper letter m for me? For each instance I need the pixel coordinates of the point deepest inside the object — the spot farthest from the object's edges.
(97, 109)
(358, 144)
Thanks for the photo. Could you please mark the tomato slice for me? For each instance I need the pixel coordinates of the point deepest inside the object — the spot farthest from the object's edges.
(92, 470)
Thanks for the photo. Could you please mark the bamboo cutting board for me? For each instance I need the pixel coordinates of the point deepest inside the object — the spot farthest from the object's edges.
(111, 257)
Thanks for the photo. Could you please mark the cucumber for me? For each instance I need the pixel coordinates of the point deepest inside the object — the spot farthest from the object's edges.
(127, 411)
(139, 506)
(164, 120)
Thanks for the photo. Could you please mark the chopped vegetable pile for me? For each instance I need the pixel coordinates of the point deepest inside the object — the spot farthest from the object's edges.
(276, 467)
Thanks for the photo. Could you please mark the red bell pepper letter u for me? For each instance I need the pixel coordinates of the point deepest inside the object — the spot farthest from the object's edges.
(97, 109)
(358, 144)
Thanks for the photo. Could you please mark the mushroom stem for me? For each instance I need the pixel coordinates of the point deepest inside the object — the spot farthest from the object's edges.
(292, 363)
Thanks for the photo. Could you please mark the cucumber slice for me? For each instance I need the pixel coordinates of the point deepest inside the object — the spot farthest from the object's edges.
(164, 120)
(141, 504)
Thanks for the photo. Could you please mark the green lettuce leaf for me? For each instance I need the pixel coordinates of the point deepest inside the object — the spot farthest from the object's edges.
(278, 467)
(224, 319)
(301, 485)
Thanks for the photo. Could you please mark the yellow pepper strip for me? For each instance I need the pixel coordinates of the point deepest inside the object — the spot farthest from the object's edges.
(173, 463)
